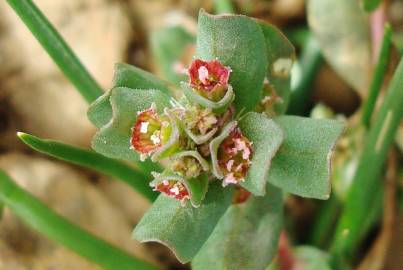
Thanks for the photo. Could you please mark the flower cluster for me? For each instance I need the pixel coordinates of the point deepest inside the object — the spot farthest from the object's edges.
(198, 135)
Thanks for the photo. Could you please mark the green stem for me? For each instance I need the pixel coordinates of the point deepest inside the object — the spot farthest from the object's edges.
(379, 74)
(47, 222)
(309, 62)
(366, 180)
(138, 180)
(57, 48)
(223, 6)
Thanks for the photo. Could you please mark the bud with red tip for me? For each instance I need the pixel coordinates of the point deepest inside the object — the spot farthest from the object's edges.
(209, 78)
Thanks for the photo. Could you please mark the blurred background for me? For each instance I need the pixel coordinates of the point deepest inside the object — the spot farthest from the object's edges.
(158, 35)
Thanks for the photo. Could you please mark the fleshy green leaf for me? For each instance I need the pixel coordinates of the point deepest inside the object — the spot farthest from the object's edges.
(168, 46)
(246, 236)
(302, 165)
(267, 137)
(100, 111)
(184, 229)
(342, 31)
(197, 187)
(238, 42)
(280, 58)
(113, 139)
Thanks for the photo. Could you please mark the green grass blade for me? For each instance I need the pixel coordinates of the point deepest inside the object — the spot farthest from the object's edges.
(379, 74)
(367, 179)
(92, 160)
(310, 62)
(44, 220)
(57, 48)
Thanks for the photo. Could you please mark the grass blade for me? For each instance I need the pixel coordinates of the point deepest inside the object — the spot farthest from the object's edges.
(57, 48)
(57, 228)
(310, 62)
(367, 177)
(379, 74)
(137, 179)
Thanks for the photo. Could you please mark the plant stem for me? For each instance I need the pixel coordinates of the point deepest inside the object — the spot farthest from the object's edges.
(379, 74)
(47, 222)
(57, 48)
(223, 6)
(310, 61)
(366, 179)
(138, 180)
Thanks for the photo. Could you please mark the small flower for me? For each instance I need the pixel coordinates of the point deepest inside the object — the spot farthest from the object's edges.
(187, 167)
(234, 157)
(199, 120)
(173, 189)
(149, 132)
(209, 79)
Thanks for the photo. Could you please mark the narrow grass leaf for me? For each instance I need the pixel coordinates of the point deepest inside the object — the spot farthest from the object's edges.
(44, 220)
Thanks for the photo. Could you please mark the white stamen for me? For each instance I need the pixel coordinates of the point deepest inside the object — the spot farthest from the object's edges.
(155, 139)
(174, 190)
(230, 164)
(165, 182)
(229, 179)
(203, 74)
(144, 127)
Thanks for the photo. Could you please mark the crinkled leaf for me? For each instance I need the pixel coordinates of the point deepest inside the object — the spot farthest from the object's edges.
(302, 165)
(280, 58)
(342, 31)
(169, 45)
(267, 137)
(184, 229)
(238, 42)
(113, 139)
(246, 236)
(100, 111)
(197, 187)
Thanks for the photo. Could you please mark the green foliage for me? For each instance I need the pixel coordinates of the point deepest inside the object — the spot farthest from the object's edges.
(137, 179)
(280, 58)
(113, 139)
(246, 236)
(301, 166)
(238, 42)
(370, 165)
(184, 229)
(100, 112)
(57, 228)
(267, 138)
(168, 46)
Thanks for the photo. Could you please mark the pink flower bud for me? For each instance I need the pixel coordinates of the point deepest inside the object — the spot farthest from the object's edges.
(173, 189)
(234, 157)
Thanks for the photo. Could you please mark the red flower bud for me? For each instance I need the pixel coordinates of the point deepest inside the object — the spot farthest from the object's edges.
(210, 79)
